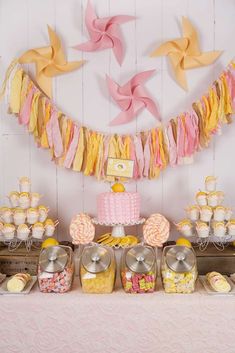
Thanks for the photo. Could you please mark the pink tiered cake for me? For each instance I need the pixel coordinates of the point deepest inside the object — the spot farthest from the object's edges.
(120, 207)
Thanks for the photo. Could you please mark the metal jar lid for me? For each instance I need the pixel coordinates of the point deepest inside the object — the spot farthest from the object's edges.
(53, 259)
(140, 259)
(96, 259)
(180, 259)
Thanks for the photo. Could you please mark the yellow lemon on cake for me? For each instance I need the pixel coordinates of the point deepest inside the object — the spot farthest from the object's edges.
(183, 242)
(49, 242)
(118, 187)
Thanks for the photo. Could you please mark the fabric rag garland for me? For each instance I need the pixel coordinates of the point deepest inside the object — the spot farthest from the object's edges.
(84, 150)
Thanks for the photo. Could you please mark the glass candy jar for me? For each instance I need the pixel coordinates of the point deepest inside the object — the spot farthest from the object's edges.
(97, 269)
(139, 269)
(55, 269)
(178, 269)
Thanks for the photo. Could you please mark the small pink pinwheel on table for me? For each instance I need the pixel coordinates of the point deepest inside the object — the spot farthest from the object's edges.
(132, 98)
(104, 33)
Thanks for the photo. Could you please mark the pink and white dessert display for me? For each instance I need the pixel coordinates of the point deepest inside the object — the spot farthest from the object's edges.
(24, 200)
(23, 232)
(32, 215)
(19, 216)
(14, 198)
(210, 183)
(34, 199)
(118, 207)
(219, 213)
(201, 198)
(193, 213)
(43, 212)
(219, 229)
(25, 184)
(206, 213)
(8, 231)
(37, 230)
(203, 229)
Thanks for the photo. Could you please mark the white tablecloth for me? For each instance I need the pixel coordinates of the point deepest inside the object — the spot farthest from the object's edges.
(117, 323)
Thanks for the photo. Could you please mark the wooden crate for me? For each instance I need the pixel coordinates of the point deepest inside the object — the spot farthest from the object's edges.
(20, 260)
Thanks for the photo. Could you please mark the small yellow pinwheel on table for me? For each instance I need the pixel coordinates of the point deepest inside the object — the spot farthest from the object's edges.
(184, 53)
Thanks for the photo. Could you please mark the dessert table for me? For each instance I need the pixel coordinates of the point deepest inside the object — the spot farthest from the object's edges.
(117, 323)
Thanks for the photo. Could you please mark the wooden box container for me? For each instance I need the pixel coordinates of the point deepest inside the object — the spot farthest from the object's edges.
(20, 260)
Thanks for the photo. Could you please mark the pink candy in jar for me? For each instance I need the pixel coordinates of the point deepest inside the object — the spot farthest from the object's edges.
(59, 282)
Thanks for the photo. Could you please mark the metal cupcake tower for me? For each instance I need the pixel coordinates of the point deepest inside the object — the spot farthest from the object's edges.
(202, 242)
(13, 242)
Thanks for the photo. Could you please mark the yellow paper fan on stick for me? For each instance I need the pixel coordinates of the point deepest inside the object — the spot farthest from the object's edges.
(184, 53)
(50, 61)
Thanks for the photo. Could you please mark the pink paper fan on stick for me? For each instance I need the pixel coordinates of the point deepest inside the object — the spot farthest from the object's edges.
(104, 33)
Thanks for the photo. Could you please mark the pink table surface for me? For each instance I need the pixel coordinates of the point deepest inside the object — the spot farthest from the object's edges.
(117, 323)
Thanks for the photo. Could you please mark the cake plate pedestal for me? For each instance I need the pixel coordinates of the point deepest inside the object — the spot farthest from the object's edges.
(118, 229)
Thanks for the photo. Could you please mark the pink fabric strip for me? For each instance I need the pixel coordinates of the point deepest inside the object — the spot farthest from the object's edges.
(139, 154)
(24, 113)
(72, 148)
(196, 129)
(191, 135)
(172, 146)
(180, 138)
(147, 156)
(54, 135)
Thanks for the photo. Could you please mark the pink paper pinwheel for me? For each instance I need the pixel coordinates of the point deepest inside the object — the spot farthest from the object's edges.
(132, 98)
(104, 33)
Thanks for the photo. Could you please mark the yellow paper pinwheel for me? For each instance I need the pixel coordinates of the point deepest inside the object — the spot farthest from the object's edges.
(184, 53)
(50, 61)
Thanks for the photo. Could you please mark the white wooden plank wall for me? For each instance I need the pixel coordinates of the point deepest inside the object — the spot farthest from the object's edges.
(83, 95)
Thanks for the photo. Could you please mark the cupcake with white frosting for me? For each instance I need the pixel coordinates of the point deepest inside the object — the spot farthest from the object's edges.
(210, 183)
(32, 215)
(185, 227)
(219, 229)
(38, 230)
(34, 199)
(23, 232)
(203, 229)
(19, 216)
(231, 227)
(8, 231)
(201, 198)
(25, 184)
(24, 200)
(193, 213)
(49, 227)
(206, 213)
(228, 213)
(14, 198)
(219, 213)
(213, 199)
(43, 212)
(7, 215)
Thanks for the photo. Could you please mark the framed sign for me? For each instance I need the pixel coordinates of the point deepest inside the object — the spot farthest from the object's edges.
(120, 167)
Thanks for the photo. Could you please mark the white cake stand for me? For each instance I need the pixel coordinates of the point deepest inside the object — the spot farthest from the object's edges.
(118, 229)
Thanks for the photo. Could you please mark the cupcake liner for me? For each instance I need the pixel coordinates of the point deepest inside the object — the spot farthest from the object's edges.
(37, 233)
(32, 219)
